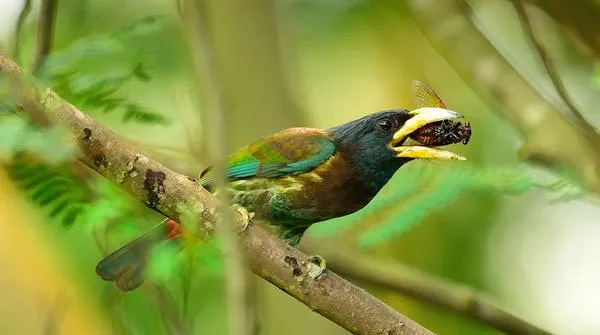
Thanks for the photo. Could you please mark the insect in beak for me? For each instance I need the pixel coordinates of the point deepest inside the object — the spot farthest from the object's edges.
(422, 117)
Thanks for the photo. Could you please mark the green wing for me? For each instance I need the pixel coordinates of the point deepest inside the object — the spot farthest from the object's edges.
(292, 151)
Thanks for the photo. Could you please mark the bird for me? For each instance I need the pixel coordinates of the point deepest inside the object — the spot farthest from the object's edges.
(299, 176)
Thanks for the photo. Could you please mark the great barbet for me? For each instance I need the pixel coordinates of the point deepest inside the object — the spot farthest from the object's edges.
(301, 176)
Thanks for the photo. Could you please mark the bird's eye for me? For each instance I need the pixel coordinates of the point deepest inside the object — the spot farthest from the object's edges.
(385, 125)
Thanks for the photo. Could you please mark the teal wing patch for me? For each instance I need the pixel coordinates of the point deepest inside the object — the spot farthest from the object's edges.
(292, 151)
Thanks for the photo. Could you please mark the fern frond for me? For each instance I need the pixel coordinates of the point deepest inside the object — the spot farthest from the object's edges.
(85, 73)
(444, 188)
(412, 180)
(423, 190)
(138, 114)
(54, 189)
(72, 199)
(51, 145)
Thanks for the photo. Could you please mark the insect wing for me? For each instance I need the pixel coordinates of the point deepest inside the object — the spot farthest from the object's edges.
(424, 96)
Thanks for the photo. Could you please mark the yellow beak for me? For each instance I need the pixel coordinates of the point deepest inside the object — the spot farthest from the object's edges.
(421, 117)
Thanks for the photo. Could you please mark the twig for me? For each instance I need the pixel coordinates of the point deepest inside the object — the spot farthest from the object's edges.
(99, 241)
(168, 310)
(260, 82)
(180, 7)
(45, 33)
(195, 23)
(436, 292)
(549, 138)
(19, 29)
(550, 68)
(54, 315)
(112, 301)
(186, 283)
(580, 20)
(171, 194)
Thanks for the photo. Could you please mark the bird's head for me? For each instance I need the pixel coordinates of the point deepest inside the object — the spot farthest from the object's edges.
(377, 143)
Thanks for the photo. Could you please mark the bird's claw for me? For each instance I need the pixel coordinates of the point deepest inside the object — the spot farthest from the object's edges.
(316, 266)
(246, 216)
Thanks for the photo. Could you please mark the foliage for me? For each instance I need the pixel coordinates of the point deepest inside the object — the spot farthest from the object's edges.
(18, 136)
(165, 263)
(50, 179)
(54, 189)
(43, 164)
(34, 159)
(40, 162)
(91, 71)
(162, 265)
(424, 191)
(88, 73)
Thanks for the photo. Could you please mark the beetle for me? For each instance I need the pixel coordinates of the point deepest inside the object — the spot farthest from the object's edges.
(443, 133)
(437, 133)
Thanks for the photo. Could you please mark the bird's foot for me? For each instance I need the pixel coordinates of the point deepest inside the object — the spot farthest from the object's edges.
(246, 216)
(316, 266)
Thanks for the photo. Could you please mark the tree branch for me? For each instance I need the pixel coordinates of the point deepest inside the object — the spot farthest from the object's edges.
(173, 195)
(550, 68)
(19, 29)
(436, 292)
(45, 30)
(580, 19)
(258, 83)
(549, 138)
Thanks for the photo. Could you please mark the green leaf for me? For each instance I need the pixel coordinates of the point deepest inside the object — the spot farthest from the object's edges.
(72, 213)
(411, 180)
(128, 227)
(110, 205)
(416, 210)
(59, 206)
(52, 188)
(140, 72)
(51, 145)
(95, 84)
(423, 191)
(65, 62)
(145, 26)
(137, 113)
(85, 73)
(47, 193)
(210, 257)
(163, 263)
(12, 130)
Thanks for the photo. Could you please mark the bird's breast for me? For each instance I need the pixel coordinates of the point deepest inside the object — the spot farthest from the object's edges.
(331, 190)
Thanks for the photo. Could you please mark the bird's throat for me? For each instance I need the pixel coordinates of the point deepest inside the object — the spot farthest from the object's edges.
(374, 176)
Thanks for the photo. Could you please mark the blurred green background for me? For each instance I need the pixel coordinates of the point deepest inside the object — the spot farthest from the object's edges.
(321, 63)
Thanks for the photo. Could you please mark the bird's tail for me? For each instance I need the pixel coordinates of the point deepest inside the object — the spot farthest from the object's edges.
(126, 265)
